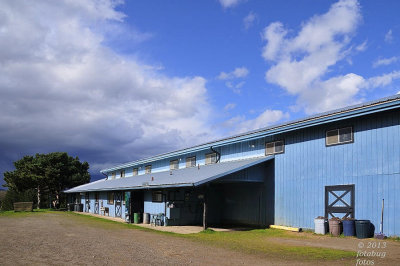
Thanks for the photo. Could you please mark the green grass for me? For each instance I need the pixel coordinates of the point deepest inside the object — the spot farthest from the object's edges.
(395, 238)
(256, 241)
(259, 241)
(22, 214)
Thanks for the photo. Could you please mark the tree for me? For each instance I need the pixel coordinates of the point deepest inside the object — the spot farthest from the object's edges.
(47, 173)
(28, 175)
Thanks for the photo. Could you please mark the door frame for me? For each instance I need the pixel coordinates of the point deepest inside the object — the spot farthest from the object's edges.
(348, 209)
(118, 203)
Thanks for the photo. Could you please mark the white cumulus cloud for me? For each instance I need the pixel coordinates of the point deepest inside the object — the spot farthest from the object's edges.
(385, 61)
(62, 88)
(382, 80)
(389, 36)
(240, 124)
(230, 3)
(299, 63)
(249, 20)
(231, 78)
(239, 72)
(229, 106)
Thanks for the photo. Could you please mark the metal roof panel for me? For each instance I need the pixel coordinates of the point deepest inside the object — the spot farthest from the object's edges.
(193, 176)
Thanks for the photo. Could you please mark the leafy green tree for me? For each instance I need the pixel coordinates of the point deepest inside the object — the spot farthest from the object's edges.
(47, 173)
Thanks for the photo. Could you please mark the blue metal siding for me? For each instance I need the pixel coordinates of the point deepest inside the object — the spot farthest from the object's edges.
(152, 207)
(371, 163)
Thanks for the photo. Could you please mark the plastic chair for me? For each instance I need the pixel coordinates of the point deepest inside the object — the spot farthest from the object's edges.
(159, 220)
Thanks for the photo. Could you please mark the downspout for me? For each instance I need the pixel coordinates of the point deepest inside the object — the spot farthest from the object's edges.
(218, 154)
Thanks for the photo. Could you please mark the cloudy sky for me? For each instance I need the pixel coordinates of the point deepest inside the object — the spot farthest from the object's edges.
(112, 82)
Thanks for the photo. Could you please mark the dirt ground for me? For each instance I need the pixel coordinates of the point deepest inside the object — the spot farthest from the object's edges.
(62, 239)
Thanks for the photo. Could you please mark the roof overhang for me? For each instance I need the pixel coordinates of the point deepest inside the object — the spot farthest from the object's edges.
(187, 177)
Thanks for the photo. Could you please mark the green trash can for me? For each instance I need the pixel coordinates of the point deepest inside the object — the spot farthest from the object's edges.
(363, 228)
(136, 218)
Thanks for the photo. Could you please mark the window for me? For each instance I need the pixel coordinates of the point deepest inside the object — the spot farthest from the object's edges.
(274, 147)
(211, 158)
(110, 198)
(135, 171)
(173, 165)
(339, 136)
(122, 173)
(157, 196)
(191, 161)
(147, 169)
(113, 175)
(175, 195)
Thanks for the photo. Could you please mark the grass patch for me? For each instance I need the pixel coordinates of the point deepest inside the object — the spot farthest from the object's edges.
(207, 231)
(395, 238)
(259, 241)
(22, 214)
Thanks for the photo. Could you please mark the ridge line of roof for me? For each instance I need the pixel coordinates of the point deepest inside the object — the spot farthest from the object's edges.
(355, 107)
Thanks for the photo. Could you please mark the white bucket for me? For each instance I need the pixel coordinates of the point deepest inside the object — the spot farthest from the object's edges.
(321, 226)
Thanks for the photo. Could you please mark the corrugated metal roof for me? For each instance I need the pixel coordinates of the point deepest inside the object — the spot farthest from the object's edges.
(341, 113)
(185, 177)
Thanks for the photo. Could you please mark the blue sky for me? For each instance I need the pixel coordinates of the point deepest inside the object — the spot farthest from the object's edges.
(113, 81)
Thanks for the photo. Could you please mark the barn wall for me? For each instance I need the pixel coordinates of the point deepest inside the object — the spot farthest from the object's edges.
(153, 207)
(371, 163)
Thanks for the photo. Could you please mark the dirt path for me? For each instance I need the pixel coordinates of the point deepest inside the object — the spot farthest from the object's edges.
(64, 239)
(51, 239)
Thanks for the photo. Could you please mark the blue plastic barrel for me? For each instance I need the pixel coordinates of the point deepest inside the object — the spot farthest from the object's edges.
(349, 228)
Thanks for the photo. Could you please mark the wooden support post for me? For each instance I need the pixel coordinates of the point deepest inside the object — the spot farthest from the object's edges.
(204, 212)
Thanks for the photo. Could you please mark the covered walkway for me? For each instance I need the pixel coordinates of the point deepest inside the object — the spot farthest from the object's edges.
(172, 229)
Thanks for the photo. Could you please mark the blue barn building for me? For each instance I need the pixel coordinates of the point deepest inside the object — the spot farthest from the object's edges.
(338, 163)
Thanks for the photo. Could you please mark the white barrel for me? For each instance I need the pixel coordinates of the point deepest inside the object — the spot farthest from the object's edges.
(321, 226)
(146, 218)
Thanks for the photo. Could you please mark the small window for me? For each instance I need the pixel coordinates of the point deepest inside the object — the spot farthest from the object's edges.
(339, 136)
(191, 161)
(122, 173)
(147, 169)
(175, 195)
(211, 158)
(157, 196)
(110, 198)
(135, 171)
(173, 165)
(274, 147)
(113, 175)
